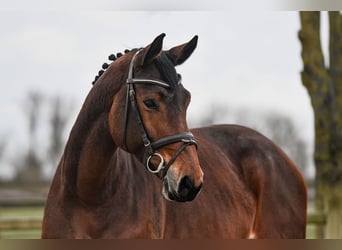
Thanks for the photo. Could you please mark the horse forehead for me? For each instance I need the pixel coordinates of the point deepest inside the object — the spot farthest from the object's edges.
(147, 71)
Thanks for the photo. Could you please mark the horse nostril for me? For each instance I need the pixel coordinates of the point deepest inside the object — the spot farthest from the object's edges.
(186, 189)
(185, 185)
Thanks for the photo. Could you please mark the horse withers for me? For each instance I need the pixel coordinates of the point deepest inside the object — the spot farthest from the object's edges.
(132, 168)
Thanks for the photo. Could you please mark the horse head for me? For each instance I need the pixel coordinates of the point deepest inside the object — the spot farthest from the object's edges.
(148, 117)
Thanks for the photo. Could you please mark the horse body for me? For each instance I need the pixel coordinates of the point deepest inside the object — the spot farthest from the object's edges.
(242, 204)
(102, 189)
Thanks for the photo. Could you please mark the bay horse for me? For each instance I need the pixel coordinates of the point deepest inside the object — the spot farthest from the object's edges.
(131, 140)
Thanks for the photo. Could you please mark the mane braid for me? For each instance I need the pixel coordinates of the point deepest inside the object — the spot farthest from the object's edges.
(111, 57)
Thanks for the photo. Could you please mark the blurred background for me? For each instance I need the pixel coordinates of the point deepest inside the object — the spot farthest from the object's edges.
(245, 70)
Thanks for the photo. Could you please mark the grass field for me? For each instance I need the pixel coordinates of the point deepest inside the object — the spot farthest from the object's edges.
(20, 222)
(21, 209)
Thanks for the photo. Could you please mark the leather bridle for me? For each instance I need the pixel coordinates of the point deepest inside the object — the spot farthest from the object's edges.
(186, 138)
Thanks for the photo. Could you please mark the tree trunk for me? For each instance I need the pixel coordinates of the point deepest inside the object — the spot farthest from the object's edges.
(324, 86)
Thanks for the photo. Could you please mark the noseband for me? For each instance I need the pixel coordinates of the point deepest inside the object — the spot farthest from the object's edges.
(186, 138)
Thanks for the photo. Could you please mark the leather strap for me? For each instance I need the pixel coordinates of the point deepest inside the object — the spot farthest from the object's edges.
(186, 138)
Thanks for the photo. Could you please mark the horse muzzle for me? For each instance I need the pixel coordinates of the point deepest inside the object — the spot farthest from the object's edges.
(181, 191)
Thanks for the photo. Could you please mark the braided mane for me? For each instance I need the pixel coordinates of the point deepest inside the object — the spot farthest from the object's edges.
(112, 58)
(163, 63)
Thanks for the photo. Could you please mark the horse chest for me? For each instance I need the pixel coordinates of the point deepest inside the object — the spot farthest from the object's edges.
(198, 219)
(118, 223)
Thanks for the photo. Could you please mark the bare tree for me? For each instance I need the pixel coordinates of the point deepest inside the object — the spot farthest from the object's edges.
(3, 144)
(29, 168)
(324, 85)
(32, 108)
(60, 112)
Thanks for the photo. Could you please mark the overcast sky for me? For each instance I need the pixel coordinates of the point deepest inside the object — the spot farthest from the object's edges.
(243, 59)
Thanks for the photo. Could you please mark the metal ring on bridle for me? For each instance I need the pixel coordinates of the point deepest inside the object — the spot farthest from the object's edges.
(160, 166)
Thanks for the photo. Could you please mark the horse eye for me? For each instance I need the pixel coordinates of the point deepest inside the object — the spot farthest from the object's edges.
(151, 104)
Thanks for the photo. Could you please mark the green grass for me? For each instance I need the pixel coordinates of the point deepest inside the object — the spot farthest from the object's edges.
(311, 231)
(20, 214)
(20, 234)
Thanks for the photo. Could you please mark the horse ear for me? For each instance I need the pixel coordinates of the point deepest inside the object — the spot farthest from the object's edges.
(152, 51)
(180, 53)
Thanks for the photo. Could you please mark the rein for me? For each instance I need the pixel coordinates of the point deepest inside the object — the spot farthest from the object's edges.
(186, 138)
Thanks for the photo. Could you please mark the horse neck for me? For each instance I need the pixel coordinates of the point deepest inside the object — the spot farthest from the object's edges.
(90, 146)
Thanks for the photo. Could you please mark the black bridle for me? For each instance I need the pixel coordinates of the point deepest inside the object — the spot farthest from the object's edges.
(186, 138)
